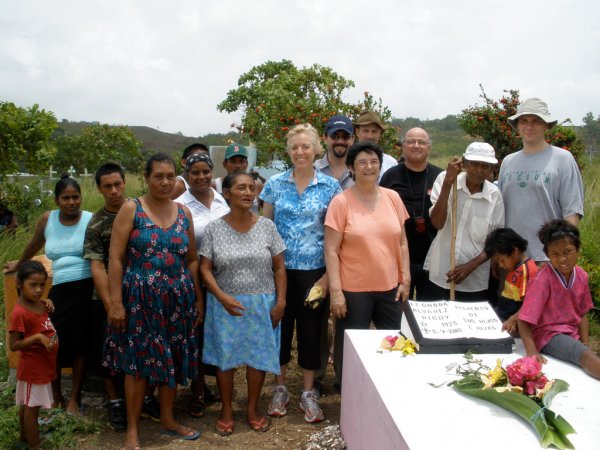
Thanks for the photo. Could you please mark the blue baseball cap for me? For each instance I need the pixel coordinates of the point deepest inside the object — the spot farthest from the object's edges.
(337, 123)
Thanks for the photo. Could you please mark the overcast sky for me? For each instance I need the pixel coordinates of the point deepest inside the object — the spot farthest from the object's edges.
(167, 64)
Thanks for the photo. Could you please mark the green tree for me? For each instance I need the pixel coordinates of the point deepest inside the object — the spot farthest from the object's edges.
(489, 122)
(97, 144)
(276, 95)
(591, 132)
(25, 143)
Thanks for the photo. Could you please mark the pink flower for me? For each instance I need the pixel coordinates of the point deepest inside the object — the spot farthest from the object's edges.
(391, 339)
(527, 373)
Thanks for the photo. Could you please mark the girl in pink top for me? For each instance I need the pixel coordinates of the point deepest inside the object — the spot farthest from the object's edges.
(32, 334)
(553, 318)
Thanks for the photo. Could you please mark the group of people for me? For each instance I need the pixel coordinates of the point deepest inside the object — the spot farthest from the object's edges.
(189, 278)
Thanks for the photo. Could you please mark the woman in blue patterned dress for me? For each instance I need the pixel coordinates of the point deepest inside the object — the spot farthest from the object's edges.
(243, 268)
(156, 300)
(297, 200)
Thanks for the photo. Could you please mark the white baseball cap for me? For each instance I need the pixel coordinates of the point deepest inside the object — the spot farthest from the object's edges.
(480, 151)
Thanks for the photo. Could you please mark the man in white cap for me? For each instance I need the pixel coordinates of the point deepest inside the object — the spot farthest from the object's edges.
(479, 210)
(540, 182)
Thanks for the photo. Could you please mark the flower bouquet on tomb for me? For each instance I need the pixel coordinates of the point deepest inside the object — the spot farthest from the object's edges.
(520, 388)
(398, 343)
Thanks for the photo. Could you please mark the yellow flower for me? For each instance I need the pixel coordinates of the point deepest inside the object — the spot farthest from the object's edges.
(385, 345)
(494, 376)
(399, 344)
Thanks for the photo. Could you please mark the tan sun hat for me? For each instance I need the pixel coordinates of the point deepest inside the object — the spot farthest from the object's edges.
(368, 117)
(535, 107)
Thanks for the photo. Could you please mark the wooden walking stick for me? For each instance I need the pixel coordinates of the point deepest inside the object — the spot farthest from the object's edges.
(453, 241)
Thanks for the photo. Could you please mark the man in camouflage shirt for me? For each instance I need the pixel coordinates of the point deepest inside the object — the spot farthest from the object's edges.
(110, 182)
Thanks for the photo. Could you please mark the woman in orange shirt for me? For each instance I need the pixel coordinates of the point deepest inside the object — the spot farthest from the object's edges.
(366, 251)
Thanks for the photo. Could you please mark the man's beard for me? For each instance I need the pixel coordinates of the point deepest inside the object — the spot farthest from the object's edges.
(337, 153)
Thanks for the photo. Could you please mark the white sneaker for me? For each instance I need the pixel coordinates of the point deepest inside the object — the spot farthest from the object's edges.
(280, 400)
(309, 403)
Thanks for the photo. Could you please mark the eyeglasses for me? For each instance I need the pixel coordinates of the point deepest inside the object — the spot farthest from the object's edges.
(340, 137)
(412, 142)
(364, 163)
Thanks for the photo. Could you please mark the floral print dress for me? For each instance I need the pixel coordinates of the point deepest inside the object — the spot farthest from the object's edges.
(160, 341)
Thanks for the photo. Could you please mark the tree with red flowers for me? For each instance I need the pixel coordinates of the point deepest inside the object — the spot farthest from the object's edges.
(276, 95)
(489, 123)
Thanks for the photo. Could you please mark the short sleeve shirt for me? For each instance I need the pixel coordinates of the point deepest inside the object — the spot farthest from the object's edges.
(300, 219)
(369, 254)
(243, 262)
(552, 308)
(516, 284)
(97, 236)
(323, 165)
(538, 188)
(36, 364)
(202, 215)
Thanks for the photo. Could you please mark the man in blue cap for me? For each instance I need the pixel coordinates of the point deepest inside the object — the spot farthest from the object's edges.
(338, 137)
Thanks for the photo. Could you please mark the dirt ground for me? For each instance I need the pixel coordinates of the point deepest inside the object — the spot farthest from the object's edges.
(288, 432)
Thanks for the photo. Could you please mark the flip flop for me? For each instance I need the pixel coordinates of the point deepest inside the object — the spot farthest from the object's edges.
(196, 407)
(224, 428)
(186, 437)
(261, 425)
(135, 447)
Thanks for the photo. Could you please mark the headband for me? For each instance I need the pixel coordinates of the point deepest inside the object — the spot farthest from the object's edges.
(198, 157)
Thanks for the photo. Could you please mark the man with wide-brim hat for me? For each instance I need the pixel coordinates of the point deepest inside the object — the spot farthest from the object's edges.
(540, 182)
(369, 127)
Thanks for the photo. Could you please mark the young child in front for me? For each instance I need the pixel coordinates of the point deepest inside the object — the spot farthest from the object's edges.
(553, 318)
(33, 335)
(507, 249)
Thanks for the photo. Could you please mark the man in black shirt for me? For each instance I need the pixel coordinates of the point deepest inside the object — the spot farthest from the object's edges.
(413, 179)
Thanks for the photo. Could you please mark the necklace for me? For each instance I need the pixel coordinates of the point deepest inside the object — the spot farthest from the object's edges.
(412, 197)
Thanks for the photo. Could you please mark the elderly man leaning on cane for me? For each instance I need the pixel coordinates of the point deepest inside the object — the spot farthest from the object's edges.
(479, 209)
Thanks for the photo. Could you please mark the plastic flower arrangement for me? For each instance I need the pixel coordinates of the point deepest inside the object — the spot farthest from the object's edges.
(398, 343)
(521, 388)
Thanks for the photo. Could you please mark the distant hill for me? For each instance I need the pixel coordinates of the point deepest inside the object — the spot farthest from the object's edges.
(153, 140)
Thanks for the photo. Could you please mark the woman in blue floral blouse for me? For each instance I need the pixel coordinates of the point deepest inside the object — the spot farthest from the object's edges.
(297, 201)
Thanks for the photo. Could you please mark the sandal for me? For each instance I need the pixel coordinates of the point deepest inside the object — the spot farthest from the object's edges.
(129, 447)
(196, 407)
(211, 396)
(224, 428)
(261, 425)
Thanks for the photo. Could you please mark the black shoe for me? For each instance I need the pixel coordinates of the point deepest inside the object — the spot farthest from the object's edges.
(117, 419)
(211, 396)
(151, 409)
(318, 388)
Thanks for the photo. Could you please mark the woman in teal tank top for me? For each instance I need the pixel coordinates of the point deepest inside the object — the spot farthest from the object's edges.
(61, 233)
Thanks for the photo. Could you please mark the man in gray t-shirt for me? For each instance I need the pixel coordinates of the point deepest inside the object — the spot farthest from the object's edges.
(540, 182)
